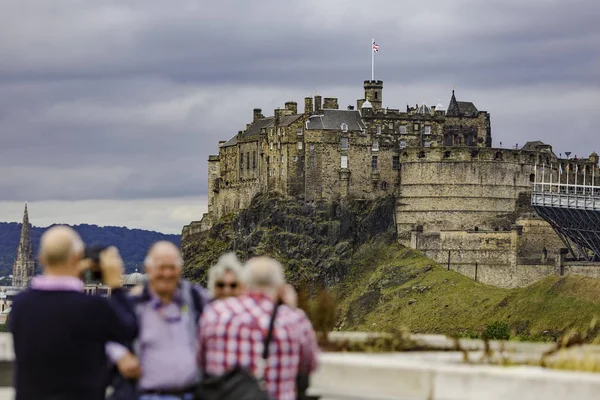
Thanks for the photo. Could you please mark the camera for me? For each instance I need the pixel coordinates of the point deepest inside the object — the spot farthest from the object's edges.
(94, 274)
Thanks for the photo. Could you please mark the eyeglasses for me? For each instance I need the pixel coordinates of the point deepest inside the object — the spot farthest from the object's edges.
(222, 285)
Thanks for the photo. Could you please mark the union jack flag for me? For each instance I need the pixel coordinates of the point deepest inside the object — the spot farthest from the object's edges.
(375, 47)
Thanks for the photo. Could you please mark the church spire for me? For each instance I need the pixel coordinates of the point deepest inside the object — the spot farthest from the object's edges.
(24, 266)
(453, 109)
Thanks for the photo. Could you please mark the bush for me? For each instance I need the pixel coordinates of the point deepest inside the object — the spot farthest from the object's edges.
(497, 330)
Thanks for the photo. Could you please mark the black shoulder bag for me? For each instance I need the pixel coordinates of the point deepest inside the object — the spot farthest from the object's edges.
(239, 383)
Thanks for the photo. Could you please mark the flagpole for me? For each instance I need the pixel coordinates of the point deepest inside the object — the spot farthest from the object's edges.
(372, 60)
(543, 175)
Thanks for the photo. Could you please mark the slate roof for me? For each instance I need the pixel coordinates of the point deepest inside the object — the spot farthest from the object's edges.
(253, 131)
(461, 108)
(333, 120)
(230, 142)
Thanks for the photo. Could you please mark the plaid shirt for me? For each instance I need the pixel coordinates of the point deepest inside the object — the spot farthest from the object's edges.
(232, 332)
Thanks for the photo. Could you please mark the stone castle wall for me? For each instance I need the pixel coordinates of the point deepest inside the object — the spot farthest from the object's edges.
(461, 188)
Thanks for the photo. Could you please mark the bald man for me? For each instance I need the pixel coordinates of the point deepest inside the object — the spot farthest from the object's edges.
(59, 332)
(160, 363)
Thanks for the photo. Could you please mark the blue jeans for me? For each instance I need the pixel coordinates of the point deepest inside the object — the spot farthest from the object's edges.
(187, 396)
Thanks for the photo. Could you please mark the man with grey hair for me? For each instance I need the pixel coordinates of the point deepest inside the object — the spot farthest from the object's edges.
(225, 277)
(233, 331)
(60, 332)
(160, 363)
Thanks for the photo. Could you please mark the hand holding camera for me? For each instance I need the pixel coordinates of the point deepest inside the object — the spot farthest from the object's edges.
(102, 264)
(111, 267)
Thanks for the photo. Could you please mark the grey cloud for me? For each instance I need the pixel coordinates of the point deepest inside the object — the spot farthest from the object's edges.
(125, 100)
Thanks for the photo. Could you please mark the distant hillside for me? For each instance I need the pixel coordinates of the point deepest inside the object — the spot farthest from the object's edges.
(132, 243)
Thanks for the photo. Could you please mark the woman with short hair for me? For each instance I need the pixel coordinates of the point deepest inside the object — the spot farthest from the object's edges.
(225, 277)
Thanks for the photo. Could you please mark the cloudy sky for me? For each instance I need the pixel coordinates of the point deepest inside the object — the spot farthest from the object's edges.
(109, 109)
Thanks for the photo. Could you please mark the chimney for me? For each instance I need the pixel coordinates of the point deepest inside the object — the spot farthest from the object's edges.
(350, 108)
(257, 115)
(278, 113)
(318, 104)
(308, 105)
(330, 103)
(292, 106)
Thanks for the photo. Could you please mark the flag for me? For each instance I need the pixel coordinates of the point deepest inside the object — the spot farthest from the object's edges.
(375, 47)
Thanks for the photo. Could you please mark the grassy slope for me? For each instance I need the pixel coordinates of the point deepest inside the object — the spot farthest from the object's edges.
(386, 278)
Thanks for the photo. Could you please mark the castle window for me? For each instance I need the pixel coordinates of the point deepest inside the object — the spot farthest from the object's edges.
(278, 131)
(447, 154)
(384, 185)
(498, 155)
(254, 159)
(374, 163)
(421, 154)
(299, 130)
(379, 129)
(344, 162)
(295, 158)
(281, 159)
(278, 145)
(268, 159)
(403, 143)
(312, 146)
(241, 160)
(248, 160)
(271, 131)
(375, 146)
(427, 144)
(403, 129)
(344, 143)
(428, 130)
(299, 145)
(391, 126)
(396, 163)
(532, 178)
(271, 145)
(415, 127)
(344, 127)
(375, 95)
(311, 161)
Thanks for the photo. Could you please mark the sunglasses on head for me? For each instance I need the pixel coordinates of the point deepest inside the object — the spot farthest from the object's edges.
(222, 285)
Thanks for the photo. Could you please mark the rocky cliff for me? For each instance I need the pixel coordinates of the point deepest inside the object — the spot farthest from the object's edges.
(315, 242)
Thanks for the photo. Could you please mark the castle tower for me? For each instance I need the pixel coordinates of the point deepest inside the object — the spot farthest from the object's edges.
(24, 266)
(374, 93)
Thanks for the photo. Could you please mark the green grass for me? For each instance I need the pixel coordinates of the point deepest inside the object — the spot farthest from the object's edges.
(391, 287)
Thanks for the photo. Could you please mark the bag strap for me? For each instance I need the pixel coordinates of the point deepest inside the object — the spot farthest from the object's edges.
(269, 337)
(196, 301)
(262, 365)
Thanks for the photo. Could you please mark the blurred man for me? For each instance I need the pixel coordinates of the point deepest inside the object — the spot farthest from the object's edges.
(160, 363)
(225, 277)
(59, 332)
(232, 332)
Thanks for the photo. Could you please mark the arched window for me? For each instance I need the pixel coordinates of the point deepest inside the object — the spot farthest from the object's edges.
(384, 185)
(344, 127)
(421, 154)
(498, 155)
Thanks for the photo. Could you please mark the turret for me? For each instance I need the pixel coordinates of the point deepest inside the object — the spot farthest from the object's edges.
(374, 93)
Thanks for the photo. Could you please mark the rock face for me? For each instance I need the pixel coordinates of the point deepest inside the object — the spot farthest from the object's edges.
(315, 242)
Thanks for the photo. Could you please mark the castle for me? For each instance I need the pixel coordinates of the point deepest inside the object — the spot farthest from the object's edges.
(458, 199)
